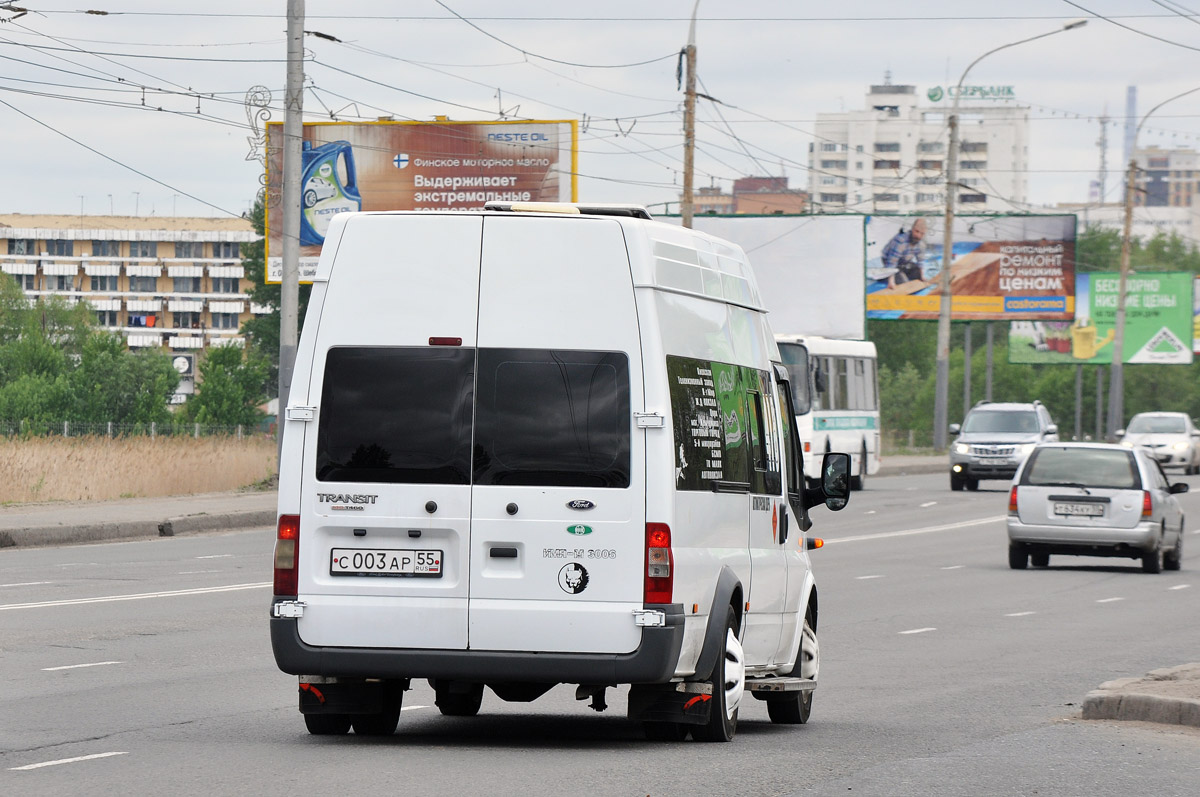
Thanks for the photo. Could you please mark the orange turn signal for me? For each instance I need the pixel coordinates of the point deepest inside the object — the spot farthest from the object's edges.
(814, 543)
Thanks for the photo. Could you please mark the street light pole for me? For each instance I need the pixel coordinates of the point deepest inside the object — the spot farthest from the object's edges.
(941, 399)
(1116, 383)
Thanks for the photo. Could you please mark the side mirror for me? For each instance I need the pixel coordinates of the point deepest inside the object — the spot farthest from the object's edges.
(1052, 429)
(1179, 487)
(955, 428)
(1120, 433)
(835, 480)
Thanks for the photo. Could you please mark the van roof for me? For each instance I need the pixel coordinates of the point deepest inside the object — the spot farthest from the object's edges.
(663, 256)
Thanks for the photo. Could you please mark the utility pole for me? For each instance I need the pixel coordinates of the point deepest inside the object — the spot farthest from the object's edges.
(293, 133)
(1116, 384)
(689, 123)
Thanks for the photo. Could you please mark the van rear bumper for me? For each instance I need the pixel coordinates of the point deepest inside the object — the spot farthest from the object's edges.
(654, 661)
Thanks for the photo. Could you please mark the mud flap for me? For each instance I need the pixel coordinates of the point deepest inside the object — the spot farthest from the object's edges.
(688, 703)
(348, 697)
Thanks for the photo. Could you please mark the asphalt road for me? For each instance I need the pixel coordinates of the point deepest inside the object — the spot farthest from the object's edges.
(145, 668)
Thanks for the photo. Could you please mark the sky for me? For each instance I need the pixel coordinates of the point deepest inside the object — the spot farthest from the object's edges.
(142, 109)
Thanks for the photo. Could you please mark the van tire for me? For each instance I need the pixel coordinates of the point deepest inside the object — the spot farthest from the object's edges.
(459, 704)
(794, 708)
(860, 481)
(382, 723)
(327, 724)
(728, 685)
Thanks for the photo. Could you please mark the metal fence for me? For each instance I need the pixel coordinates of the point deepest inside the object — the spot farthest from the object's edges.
(152, 430)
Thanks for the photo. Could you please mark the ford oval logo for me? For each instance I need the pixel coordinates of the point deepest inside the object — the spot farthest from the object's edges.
(580, 503)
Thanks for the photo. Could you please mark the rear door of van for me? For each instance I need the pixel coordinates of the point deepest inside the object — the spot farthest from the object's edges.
(384, 556)
(558, 505)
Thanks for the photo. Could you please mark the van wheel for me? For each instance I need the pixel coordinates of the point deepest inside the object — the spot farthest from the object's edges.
(459, 704)
(381, 724)
(728, 683)
(327, 724)
(665, 731)
(860, 481)
(794, 708)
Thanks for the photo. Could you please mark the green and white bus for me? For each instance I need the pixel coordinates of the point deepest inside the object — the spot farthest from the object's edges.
(836, 393)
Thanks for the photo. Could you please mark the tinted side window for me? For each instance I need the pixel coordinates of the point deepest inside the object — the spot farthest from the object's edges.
(552, 418)
(396, 415)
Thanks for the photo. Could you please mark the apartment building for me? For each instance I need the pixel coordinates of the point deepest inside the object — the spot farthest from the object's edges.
(163, 282)
(890, 157)
(1166, 177)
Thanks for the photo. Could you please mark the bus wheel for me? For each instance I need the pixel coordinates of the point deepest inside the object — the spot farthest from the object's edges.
(860, 481)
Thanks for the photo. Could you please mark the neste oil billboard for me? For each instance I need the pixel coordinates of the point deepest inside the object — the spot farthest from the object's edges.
(1004, 268)
(443, 165)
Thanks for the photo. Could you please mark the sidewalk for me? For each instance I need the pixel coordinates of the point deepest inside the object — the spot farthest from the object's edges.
(68, 522)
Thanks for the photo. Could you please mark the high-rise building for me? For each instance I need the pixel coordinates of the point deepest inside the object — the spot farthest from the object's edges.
(1166, 177)
(891, 156)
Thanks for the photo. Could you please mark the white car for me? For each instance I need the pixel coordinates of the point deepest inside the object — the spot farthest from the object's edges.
(1170, 437)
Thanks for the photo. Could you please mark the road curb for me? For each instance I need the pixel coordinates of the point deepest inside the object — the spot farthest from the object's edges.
(1141, 699)
(42, 536)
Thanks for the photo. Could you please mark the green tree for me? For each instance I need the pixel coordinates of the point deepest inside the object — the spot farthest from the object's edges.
(125, 387)
(262, 332)
(230, 388)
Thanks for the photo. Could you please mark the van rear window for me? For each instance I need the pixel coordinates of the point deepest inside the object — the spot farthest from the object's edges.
(543, 417)
(396, 415)
(552, 418)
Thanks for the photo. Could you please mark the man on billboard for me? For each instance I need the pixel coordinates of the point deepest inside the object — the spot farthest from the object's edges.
(905, 253)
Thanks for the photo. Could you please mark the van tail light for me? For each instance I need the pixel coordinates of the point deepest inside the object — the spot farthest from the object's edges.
(1012, 501)
(287, 556)
(1147, 504)
(660, 563)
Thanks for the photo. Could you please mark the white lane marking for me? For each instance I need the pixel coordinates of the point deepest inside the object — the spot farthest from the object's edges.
(869, 512)
(918, 630)
(923, 530)
(64, 761)
(953, 567)
(928, 503)
(865, 578)
(1020, 614)
(1180, 586)
(137, 597)
(217, 556)
(195, 572)
(1109, 600)
(27, 584)
(412, 708)
(1196, 531)
(80, 666)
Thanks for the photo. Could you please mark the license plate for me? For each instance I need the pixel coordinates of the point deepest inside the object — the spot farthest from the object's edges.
(385, 562)
(1090, 510)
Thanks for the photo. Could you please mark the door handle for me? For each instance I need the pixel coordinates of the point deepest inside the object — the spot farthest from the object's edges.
(503, 553)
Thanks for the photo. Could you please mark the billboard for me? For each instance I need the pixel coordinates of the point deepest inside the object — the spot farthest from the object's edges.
(1004, 267)
(1159, 323)
(808, 268)
(442, 165)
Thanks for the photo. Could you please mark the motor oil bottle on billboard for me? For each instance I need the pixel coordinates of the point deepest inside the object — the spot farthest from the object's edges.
(324, 194)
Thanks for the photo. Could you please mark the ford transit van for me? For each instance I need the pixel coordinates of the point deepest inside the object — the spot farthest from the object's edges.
(539, 445)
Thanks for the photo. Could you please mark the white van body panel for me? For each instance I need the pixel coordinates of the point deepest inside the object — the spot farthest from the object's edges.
(563, 285)
(514, 282)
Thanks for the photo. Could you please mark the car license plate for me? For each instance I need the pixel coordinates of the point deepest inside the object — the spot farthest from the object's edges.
(1089, 510)
(385, 562)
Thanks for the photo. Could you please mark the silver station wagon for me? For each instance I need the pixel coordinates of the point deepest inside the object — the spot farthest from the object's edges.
(1094, 499)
